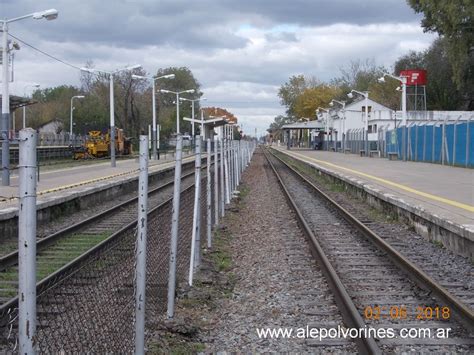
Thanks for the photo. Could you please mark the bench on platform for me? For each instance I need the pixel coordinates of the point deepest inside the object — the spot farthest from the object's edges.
(347, 150)
(392, 155)
(362, 152)
(374, 152)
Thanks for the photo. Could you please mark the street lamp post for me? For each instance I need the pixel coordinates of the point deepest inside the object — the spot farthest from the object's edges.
(365, 94)
(343, 105)
(24, 107)
(50, 14)
(112, 110)
(154, 136)
(72, 109)
(403, 81)
(192, 111)
(177, 93)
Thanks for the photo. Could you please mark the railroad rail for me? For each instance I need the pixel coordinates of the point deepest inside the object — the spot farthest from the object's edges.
(374, 285)
(59, 252)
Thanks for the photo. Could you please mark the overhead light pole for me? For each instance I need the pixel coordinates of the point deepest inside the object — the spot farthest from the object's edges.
(343, 105)
(112, 110)
(192, 111)
(177, 93)
(365, 94)
(154, 136)
(403, 81)
(50, 14)
(72, 109)
(24, 107)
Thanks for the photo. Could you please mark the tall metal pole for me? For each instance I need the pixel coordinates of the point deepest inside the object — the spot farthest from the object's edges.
(70, 121)
(404, 117)
(177, 113)
(154, 138)
(24, 117)
(226, 167)
(140, 271)
(27, 242)
(112, 122)
(195, 257)
(209, 193)
(5, 127)
(216, 181)
(174, 227)
(192, 115)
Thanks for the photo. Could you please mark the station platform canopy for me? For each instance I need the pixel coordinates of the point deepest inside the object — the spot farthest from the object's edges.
(313, 125)
(18, 101)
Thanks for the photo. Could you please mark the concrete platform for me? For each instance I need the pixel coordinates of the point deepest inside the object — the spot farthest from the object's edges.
(75, 187)
(437, 200)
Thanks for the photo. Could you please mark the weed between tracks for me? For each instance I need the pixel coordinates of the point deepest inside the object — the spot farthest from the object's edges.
(51, 259)
(213, 282)
(324, 181)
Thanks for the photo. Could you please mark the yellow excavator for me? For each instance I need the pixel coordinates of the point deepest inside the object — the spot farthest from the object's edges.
(97, 145)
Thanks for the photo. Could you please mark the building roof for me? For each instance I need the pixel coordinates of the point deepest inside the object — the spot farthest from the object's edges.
(18, 101)
(315, 124)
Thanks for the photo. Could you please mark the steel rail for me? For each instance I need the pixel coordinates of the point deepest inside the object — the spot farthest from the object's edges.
(462, 313)
(68, 269)
(12, 258)
(349, 311)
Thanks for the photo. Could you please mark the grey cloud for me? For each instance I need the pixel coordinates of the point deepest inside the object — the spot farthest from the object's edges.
(194, 24)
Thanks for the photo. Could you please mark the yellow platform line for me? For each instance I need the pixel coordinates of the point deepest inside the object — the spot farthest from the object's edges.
(390, 183)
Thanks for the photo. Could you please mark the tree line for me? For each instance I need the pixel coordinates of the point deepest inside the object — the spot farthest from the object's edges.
(449, 63)
(132, 100)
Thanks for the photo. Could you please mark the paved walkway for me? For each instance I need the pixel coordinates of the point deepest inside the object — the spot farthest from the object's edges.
(74, 179)
(445, 191)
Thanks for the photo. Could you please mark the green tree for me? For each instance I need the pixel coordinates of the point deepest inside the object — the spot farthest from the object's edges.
(453, 20)
(166, 103)
(291, 90)
(441, 91)
(310, 99)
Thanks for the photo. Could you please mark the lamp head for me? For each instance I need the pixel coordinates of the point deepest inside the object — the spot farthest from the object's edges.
(88, 70)
(138, 77)
(49, 15)
(350, 95)
(381, 79)
(164, 91)
(136, 66)
(168, 76)
(331, 103)
(191, 91)
(398, 88)
(80, 96)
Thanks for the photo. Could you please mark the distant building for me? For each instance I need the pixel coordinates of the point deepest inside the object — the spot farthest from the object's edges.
(52, 126)
(380, 117)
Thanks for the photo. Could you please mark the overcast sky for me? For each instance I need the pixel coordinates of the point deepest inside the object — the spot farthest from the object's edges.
(241, 51)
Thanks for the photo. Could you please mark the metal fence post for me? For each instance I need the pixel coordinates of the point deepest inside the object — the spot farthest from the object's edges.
(209, 194)
(226, 171)
(174, 227)
(27, 242)
(222, 184)
(140, 271)
(195, 256)
(216, 181)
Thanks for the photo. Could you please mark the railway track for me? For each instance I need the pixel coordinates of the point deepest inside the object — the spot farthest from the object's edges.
(375, 286)
(58, 252)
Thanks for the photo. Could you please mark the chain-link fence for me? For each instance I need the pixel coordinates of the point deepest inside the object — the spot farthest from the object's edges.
(88, 306)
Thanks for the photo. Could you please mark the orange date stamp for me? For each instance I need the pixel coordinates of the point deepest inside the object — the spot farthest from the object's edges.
(402, 312)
